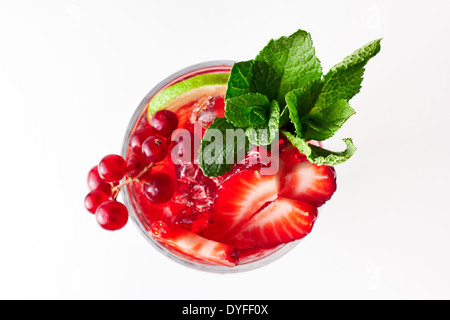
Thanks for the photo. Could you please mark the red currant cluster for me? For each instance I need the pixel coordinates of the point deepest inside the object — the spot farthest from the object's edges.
(149, 145)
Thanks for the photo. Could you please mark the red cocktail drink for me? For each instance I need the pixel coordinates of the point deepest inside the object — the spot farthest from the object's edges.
(211, 223)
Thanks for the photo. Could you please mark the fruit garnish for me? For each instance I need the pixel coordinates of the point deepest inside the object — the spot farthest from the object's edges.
(136, 165)
(240, 196)
(283, 89)
(94, 199)
(262, 211)
(95, 182)
(190, 89)
(159, 187)
(309, 183)
(194, 245)
(155, 149)
(112, 168)
(164, 122)
(146, 151)
(138, 138)
(281, 221)
(112, 215)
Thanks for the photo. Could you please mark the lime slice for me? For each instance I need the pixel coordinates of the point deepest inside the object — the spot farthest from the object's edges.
(188, 90)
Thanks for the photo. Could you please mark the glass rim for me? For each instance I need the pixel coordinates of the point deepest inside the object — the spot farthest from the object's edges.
(200, 265)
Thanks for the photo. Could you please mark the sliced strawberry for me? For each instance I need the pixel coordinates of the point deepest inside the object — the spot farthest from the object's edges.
(194, 245)
(281, 221)
(240, 196)
(309, 183)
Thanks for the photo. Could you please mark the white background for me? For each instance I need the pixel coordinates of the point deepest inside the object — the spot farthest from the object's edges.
(72, 73)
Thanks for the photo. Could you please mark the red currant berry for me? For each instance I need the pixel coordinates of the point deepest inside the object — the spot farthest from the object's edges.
(93, 179)
(164, 122)
(112, 215)
(155, 149)
(159, 188)
(96, 183)
(138, 138)
(135, 165)
(94, 199)
(112, 168)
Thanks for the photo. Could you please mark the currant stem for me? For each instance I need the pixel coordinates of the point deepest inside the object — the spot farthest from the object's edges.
(116, 189)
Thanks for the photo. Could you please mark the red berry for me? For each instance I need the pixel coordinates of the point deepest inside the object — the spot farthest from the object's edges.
(106, 188)
(309, 183)
(96, 183)
(112, 168)
(164, 122)
(281, 221)
(94, 179)
(239, 197)
(159, 188)
(94, 199)
(155, 149)
(135, 165)
(112, 215)
(138, 138)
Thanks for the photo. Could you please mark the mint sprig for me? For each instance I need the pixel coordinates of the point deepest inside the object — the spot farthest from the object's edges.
(283, 88)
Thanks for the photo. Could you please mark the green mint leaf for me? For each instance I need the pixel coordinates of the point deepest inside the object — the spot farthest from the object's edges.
(340, 84)
(223, 145)
(319, 155)
(239, 82)
(285, 64)
(344, 80)
(323, 124)
(300, 102)
(263, 135)
(247, 110)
